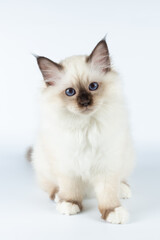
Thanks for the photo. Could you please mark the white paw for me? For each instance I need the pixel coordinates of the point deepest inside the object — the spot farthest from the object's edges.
(67, 208)
(125, 191)
(118, 216)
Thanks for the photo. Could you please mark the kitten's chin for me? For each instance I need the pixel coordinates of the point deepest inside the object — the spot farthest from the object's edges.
(86, 111)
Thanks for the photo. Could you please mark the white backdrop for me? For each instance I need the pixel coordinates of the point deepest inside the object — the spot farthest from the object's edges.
(57, 29)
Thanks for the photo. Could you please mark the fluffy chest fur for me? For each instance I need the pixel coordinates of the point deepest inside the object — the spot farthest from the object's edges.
(86, 145)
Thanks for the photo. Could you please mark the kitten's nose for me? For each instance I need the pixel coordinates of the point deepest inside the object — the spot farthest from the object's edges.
(84, 99)
(85, 103)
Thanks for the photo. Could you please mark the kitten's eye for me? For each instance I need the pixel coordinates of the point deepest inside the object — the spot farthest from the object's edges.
(70, 92)
(93, 86)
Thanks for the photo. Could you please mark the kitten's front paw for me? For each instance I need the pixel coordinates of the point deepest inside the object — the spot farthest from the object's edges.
(67, 208)
(118, 216)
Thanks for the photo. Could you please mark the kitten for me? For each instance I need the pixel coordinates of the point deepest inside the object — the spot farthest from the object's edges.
(84, 137)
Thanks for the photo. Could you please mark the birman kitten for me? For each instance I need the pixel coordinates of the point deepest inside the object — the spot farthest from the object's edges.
(84, 138)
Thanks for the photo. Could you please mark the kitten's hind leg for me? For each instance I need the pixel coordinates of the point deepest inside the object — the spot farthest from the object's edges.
(125, 191)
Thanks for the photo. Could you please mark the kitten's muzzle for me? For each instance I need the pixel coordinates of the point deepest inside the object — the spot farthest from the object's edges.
(84, 99)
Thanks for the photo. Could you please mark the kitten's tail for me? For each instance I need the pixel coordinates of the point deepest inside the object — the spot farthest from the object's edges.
(29, 154)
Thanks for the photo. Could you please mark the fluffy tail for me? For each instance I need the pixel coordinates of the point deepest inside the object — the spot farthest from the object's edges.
(29, 154)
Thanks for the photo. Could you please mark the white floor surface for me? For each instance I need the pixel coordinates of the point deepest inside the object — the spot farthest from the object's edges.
(26, 212)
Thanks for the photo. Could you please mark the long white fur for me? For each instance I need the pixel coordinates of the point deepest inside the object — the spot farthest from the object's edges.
(83, 145)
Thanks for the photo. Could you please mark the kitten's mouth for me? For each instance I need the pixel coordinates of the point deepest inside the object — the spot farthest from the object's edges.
(86, 110)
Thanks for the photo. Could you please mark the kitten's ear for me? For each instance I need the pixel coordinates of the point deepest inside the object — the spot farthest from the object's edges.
(99, 58)
(50, 70)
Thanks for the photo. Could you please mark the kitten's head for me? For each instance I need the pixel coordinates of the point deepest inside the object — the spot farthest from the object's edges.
(78, 84)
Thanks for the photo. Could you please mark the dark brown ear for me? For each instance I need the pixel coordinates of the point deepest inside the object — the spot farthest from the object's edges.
(50, 70)
(99, 58)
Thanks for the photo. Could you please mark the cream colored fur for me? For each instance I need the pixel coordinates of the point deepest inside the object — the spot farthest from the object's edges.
(74, 150)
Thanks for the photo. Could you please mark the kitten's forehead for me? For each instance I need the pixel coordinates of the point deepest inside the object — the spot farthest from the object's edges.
(74, 62)
(76, 70)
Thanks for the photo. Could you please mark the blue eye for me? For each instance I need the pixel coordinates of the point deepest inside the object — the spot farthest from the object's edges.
(70, 92)
(93, 86)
